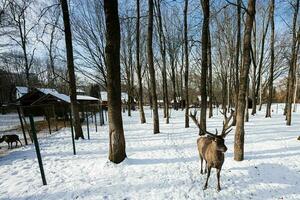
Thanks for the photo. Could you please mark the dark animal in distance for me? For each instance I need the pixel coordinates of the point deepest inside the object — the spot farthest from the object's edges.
(9, 139)
(212, 147)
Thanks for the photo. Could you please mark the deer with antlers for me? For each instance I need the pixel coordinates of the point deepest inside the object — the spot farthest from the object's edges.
(212, 147)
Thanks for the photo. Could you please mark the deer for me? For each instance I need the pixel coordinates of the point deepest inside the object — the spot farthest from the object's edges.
(9, 139)
(211, 147)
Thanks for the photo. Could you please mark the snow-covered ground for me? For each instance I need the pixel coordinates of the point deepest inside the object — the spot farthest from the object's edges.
(11, 121)
(161, 166)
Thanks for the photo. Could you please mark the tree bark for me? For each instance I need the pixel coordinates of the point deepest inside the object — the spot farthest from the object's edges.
(151, 68)
(186, 73)
(258, 82)
(293, 64)
(270, 84)
(210, 114)
(162, 41)
(237, 54)
(117, 152)
(240, 131)
(71, 73)
(138, 64)
(204, 66)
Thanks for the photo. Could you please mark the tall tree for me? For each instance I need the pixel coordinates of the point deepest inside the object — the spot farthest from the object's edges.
(138, 65)
(292, 69)
(210, 114)
(272, 40)
(204, 66)
(151, 67)
(117, 152)
(244, 75)
(186, 56)
(162, 45)
(260, 66)
(71, 72)
(237, 57)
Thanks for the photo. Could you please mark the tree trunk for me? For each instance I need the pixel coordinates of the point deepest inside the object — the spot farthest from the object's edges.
(162, 45)
(151, 68)
(237, 54)
(138, 65)
(71, 73)
(293, 64)
(210, 77)
(258, 82)
(186, 72)
(204, 66)
(270, 84)
(240, 132)
(117, 152)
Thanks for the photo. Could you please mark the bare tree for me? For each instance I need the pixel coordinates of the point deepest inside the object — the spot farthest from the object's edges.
(151, 68)
(204, 66)
(292, 69)
(186, 72)
(19, 19)
(71, 72)
(270, 84)
(117, 151)
(244, 74)
(138, 65)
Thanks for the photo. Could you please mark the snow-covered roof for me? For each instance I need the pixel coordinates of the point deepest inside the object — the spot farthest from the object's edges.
(47, 90)
(22, 90)
(86, 98)
(79, 90)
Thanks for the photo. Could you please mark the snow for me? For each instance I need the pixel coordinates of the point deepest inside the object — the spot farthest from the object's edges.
(11, 121)
(103, 94)
(87, 98)
(160, 166)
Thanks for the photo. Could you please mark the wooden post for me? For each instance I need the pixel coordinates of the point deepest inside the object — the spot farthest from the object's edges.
(37, 149)
(22, 126)
(95, 121)
(87, 123)
(49, 123)
(55, 118)
(72, 132)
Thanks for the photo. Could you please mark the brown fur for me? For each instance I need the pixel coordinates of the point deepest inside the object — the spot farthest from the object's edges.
(212, 151)
(9, 139)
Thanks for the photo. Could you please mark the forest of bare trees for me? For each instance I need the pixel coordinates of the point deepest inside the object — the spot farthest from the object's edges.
(174, 55)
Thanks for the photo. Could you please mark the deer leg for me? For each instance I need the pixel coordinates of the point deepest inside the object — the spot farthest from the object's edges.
(208, 174)
(16, 143)
(205, 171)
(201, 159)
(218, 177)
(8, 145)
(20, 142)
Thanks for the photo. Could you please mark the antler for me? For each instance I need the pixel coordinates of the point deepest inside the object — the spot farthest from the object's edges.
(226, 127)
(201, 131)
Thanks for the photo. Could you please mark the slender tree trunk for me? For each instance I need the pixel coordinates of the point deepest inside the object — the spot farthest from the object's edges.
(151, 68)
(138, 65)
(270, 84)
(162, 42)
(209, 77)
(240, 131)
(258, 82)
(237, 53)
(293, 64)
(117, 152)
(71, 73)
(186, 72)
(204, 67)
